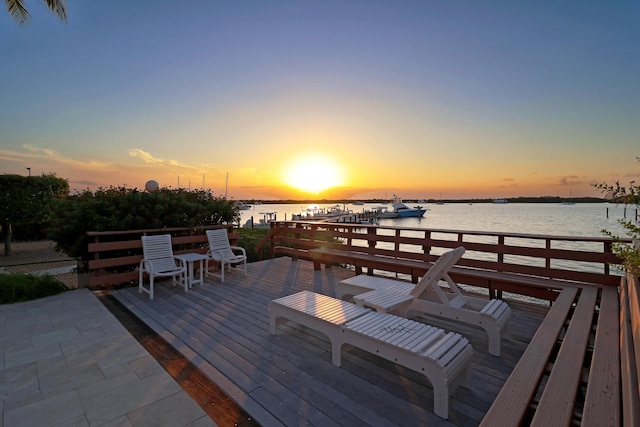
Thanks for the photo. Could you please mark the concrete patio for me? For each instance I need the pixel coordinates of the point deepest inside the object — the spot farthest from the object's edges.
(67, 361)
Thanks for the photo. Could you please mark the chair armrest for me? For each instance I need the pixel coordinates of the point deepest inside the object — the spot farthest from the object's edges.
(212, 254)
(239, 248)
(181, 262)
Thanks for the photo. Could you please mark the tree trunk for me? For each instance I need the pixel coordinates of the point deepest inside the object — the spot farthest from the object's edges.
(7, 239)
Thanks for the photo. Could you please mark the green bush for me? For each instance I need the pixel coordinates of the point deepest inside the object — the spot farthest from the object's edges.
(628, 195)
(16, 287)
(249, 238)
(122, 209)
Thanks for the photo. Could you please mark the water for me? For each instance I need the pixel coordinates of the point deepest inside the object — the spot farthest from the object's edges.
(581, 219)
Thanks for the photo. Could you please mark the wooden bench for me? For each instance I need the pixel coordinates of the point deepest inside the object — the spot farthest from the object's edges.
(444, 358)
(549, 367)
(630, 349)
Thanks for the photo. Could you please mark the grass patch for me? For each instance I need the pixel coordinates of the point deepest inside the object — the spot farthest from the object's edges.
(18, 287)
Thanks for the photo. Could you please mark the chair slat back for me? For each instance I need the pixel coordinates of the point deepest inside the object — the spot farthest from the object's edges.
(439, 270)
(219, 242)
(157, 248)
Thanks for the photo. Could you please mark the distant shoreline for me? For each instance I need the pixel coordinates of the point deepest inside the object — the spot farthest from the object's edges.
(546, 199)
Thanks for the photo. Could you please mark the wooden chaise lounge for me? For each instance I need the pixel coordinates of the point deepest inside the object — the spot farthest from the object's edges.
(443, 357)
(428, 298)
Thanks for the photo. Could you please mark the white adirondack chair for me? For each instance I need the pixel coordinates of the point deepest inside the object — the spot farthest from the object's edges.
(158, 261)
(222, 251)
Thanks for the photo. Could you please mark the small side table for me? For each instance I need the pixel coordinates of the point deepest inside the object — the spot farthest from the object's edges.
(190, 258)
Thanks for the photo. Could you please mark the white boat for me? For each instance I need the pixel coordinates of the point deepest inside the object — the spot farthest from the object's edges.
(500, 201)
(383, 212)
(403, 211)
(264, 222)
(399, 210)
(324, 213)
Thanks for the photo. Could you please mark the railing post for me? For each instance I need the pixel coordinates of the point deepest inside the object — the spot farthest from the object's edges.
(547, 259)
(608, 248)
(427, 248)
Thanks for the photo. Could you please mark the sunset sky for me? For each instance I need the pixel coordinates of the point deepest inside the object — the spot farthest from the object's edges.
(425, 99)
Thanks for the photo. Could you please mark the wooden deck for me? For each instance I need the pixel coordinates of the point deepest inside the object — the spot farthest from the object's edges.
(289, 379)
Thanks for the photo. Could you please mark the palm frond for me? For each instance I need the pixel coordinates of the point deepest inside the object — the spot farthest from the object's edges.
(18, 11)
(59, 8)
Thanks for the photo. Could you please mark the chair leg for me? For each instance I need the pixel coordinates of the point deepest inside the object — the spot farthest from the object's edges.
(151, 286)
(221, 271)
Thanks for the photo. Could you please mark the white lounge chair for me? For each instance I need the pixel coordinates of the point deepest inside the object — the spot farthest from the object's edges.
(427, 297)
(444, 358)
(158, 261)
(222, 251)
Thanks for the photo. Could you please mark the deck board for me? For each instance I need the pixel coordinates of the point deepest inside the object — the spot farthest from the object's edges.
(288, 379)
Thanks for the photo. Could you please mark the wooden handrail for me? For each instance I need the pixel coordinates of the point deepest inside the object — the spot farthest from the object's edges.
(573, 258)
(116, 254)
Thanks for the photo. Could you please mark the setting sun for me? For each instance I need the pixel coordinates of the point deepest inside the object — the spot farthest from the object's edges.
(313, 174)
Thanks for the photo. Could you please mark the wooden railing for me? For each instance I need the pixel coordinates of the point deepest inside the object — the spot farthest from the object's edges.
(630, 349)
(566, 258)
(116, 254)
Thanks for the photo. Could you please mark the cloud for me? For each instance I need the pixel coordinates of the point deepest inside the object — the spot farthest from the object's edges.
(46, 153)
(147, 158)
(569, 180)
(33, 155)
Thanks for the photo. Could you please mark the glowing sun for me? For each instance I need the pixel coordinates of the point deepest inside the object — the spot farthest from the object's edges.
(313, 174)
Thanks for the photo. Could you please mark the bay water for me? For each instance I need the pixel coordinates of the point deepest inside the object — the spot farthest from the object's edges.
(580, 219)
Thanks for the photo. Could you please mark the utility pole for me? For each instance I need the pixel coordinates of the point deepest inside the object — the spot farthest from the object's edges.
(29, 171)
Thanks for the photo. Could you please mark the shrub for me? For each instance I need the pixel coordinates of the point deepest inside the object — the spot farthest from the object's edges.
(630, 254)
(249, 238)
(16, 287)
(122, 209)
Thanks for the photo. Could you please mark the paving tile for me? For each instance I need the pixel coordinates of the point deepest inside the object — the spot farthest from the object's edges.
(58, 378)
(19, 379)
(121, 421)
(22, 398)
(146, 366)
(55, 336)
(25, 356)
(175, 410)
(123, 400)
(80, 421)
(202, 422)
(66, 361)
(55, 410)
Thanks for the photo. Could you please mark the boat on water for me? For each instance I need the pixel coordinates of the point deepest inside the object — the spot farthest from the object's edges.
(400, 210)
(404, 211)
(264, 222)
(569, 201)
(500, 201)
(316, 212)
(242, 206)
(383, 212)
